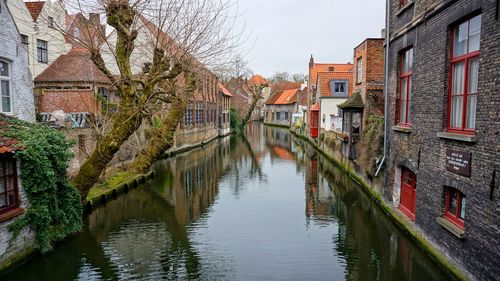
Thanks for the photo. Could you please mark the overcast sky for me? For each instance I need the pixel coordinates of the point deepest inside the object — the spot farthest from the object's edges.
(284, 33)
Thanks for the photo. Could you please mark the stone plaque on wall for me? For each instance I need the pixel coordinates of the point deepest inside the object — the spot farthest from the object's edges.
(458, 162)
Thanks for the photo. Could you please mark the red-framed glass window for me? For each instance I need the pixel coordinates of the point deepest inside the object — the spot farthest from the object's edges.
(405, 84)
(9, 197)
(464, 75)
(455, 207)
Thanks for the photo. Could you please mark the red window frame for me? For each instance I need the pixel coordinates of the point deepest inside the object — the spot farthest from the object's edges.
(454, 217)
(4, 161)
(403, 3)
(465, 58)
(408, 75)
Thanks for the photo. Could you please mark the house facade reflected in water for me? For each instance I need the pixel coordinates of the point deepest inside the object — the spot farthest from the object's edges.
(261, 207)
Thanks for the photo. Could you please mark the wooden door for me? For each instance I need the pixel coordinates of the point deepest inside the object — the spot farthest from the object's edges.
(408, 199)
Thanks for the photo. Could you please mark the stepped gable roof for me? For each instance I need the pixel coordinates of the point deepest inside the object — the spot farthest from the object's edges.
(284, 97)
(224, 90)
(354, 102)
(35, 8)
(75, 66)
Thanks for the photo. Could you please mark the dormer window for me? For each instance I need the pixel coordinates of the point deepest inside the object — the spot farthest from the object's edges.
(331, 68)
(339, 88)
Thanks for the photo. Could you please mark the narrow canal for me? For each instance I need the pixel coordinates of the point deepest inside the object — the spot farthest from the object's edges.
(262, 208)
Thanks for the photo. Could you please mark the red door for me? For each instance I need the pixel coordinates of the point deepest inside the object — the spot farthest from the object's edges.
(408, 202)
(314, 123)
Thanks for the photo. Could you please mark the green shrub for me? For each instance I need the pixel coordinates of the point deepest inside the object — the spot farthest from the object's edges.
(55, 208)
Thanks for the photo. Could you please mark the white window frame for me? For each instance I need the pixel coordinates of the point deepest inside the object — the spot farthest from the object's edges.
(6, 78)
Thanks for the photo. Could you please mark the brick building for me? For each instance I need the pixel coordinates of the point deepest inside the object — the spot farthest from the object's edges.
(329, 85)
(444, 149)
(281, 106)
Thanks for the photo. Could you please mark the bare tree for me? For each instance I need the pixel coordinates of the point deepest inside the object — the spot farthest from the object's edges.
(153, 44)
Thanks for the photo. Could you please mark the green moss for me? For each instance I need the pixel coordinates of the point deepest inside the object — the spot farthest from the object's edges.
(276, 125)
(421, 242)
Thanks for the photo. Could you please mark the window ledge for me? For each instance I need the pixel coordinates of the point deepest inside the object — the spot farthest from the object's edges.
(11, 214)
(455, 230)
(404, 8)
(402, 129)
(458, 137)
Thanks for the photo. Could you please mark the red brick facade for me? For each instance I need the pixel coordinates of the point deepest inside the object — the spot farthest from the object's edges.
(73, 100)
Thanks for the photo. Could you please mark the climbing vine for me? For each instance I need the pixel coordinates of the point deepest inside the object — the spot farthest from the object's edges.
(370, 146)
(55, 209)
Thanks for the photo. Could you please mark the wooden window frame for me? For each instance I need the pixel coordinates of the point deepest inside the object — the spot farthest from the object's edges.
(42, 51)
(408, 75)
(465, 58)
(454, 217)
(3, 178)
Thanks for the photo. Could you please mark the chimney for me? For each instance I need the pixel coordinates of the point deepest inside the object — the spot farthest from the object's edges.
(383, 33)
(311, 61)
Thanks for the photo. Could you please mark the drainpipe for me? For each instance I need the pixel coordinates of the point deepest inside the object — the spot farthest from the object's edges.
(386, 80)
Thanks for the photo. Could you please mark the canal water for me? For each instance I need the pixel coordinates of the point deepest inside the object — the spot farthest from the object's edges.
(264, 207)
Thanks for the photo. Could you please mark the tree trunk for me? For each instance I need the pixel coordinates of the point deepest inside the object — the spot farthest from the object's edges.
(125, 122)
(162, 138)
(247, 116)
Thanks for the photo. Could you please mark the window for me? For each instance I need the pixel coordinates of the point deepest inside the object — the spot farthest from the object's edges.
(50, 22)
(76, 32)
(6, 102)
(8, 185)
(338, 88)
(455, 207)
(464, 75)
(405, 2)
(188, 116)
(24, 39)
(405, 82)
(286, 115)
(360, 70)
(42, 53)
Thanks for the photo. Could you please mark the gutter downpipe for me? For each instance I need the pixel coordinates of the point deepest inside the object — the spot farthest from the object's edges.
(386, 80)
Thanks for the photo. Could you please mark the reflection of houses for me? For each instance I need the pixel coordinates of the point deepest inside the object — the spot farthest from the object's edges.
(443, 162)
(224, 104)
(281, 106)
(329, 86)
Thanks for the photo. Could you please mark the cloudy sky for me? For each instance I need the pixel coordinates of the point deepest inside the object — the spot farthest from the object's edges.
(284, 33)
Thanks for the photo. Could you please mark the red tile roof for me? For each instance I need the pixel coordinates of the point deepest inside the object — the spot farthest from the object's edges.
(285, 86)
(325, 67)
(75, 66)
(257, 80)
(324, 78)
(35, 8)
(284, 97)
(224, 90)
(315, 107)
(7, 144)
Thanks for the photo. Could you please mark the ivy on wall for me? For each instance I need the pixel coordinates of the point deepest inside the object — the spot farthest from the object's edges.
(55, 208)
(371, 144)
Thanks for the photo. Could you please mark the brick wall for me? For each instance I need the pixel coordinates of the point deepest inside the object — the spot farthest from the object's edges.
(420, 148)
(73, 100)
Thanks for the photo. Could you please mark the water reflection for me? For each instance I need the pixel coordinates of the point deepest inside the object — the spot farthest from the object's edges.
(261, 207)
